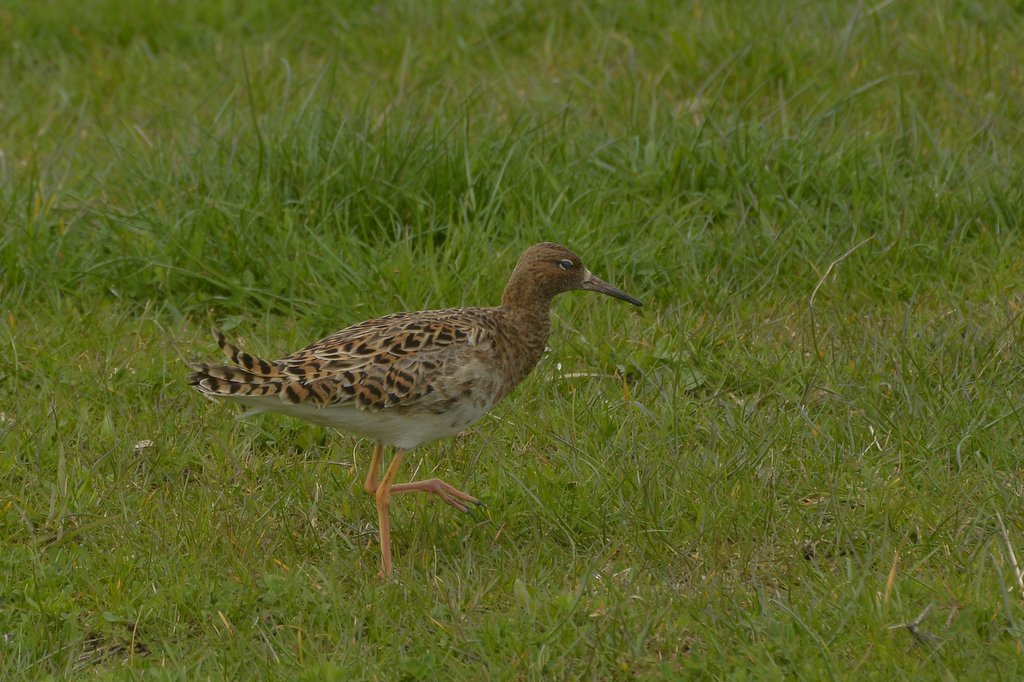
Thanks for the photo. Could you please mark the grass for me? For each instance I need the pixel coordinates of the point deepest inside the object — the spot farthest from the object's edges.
(808, 436)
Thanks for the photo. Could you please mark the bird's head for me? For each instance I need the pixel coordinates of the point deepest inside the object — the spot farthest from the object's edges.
(547, 269)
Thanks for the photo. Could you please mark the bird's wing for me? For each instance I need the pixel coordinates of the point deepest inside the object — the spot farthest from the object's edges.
(386, 362)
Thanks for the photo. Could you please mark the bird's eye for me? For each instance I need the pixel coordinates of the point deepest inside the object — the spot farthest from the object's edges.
(565, 264)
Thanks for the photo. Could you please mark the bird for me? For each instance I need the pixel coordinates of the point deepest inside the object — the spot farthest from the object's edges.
(410, 378)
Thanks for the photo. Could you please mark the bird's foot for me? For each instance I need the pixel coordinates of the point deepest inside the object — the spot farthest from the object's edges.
(449, 494)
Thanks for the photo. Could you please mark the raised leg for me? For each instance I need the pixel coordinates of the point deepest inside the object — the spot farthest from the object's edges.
(449, 494)
(383, 495)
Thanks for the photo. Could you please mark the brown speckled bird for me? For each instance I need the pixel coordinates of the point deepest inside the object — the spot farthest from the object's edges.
(410, 378)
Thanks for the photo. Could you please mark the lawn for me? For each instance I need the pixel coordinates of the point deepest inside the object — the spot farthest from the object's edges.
(803, 458)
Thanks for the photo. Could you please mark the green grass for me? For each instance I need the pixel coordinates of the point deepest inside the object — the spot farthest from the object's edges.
(807, 436)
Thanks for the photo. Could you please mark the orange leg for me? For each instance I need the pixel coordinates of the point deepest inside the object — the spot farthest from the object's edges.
(448, 494)
(371, 476)
(383, 491)
(383, 495)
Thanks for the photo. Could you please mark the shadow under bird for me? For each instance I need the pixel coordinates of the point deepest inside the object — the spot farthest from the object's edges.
(410, 378)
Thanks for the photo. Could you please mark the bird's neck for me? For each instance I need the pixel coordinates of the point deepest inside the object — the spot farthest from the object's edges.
(524, 334)
(525, 292)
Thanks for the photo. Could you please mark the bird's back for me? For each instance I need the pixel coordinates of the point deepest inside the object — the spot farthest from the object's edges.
(409, 377)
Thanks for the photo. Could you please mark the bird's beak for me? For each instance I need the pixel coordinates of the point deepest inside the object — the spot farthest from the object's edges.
(591, 282)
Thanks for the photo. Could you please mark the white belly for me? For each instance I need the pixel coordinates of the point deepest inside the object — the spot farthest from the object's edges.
(404, 431)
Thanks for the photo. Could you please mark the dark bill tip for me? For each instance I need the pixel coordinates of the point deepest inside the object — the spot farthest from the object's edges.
(600, 286)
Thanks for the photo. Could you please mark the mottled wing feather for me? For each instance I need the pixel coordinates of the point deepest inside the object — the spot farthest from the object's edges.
(250, 363)
(393, 361)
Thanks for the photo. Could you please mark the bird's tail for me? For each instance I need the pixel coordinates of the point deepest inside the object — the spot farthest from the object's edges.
(248, 376)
